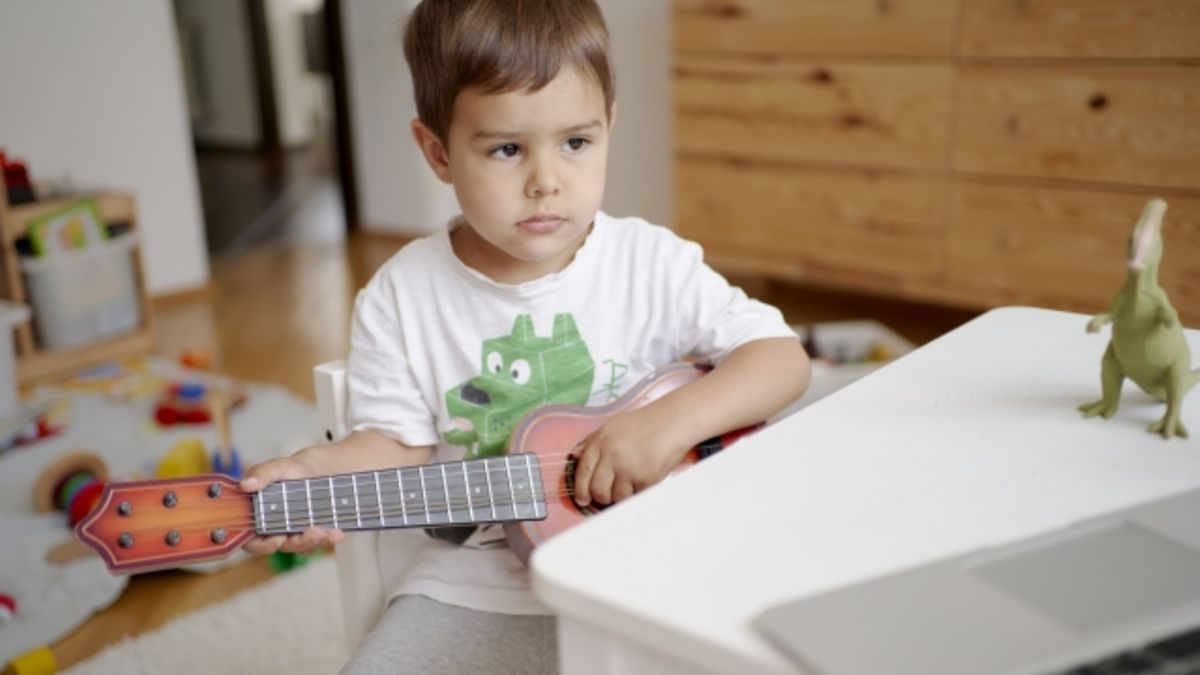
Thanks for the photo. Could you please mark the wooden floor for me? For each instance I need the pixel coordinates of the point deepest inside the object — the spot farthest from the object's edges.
(274, 311)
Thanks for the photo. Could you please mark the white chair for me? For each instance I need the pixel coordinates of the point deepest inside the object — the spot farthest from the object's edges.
(363, 587)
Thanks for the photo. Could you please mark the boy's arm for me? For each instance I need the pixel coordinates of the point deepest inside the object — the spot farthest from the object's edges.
(360, 451)
(637, 449)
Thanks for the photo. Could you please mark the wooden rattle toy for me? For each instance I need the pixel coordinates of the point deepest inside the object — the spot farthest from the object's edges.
(225, 459)
(72, 484)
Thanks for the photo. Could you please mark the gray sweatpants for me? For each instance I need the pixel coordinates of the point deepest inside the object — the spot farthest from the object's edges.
(420, 635)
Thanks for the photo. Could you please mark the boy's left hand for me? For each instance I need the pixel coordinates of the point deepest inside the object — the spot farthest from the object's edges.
(628, 454)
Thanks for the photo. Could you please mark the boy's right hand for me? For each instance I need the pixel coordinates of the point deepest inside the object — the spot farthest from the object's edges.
(272, 471)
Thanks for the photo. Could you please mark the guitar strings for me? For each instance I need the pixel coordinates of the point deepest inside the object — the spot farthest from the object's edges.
(324, 516)
(393, 516)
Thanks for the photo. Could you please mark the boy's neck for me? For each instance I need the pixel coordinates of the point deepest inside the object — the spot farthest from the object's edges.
(482, 256)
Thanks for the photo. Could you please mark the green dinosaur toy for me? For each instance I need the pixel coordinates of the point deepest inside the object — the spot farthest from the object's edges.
(1147, 343)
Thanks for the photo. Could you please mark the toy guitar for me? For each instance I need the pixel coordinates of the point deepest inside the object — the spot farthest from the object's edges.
(144, 525)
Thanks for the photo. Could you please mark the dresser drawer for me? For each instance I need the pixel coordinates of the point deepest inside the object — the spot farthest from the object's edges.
(851, 228)
(803, 110)
(1065, 248)
(1133, 125)
(1081, 28)
(826, 27)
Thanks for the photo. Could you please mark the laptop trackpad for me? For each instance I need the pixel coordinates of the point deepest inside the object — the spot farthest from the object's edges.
(1100, 578)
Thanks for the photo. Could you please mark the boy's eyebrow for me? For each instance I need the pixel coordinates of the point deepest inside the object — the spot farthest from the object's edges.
(578, 128)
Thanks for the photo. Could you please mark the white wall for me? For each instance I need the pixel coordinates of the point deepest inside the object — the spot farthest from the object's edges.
(397, 192)
(93, 90)
(641, 179)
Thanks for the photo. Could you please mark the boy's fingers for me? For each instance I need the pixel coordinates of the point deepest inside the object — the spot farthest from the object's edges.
(270, 471)
(264, 545)
(622, 489)
(602, 483)
(585, 464)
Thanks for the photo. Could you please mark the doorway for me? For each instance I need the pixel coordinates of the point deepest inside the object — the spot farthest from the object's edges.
(267, 106)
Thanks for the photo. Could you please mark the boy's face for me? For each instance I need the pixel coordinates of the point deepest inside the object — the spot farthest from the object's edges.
(528, 170)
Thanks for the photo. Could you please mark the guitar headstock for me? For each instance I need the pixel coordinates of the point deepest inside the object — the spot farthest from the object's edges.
(144, 525)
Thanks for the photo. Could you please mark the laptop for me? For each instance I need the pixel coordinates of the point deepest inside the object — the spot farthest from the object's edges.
(1119, 593)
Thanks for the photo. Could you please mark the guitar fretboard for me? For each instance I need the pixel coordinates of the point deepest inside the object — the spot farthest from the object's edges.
(489, 490)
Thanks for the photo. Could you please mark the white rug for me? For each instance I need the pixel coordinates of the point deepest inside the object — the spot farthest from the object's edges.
(52, 600)
(291, 624)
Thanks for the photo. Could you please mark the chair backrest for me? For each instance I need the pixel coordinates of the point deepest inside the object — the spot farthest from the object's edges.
(363, 594)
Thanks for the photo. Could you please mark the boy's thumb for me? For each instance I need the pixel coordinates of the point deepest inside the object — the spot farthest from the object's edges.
(252, 484)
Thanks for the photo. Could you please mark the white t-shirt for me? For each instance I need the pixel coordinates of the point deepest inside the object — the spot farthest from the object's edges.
(427, 328)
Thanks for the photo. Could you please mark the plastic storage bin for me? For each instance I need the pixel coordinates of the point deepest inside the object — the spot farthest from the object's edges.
(83, 296)
(11, 316)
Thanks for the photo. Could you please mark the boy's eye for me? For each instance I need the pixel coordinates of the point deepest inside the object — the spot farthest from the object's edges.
(577, 143)
(506, 150)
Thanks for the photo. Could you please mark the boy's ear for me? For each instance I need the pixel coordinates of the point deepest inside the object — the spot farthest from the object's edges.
(433, 149)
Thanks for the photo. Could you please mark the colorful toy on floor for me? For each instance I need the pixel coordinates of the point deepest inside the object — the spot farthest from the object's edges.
(199, 359)
(282, 561)
(187, 403)
(40, 661)
(72, 484)
(8, 607)
(185, 458)
(225, 457)
(127, 379)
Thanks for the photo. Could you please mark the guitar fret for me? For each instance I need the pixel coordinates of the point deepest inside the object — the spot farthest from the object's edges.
(446, 488)
(487, 474)
(467, 485)
(308, 502)
(512, 491)
(262, 514)
(287, 521)
(333, 503)
(354, 485)
(400, 491)
(379, 500)
(424, 494)
(532, 495)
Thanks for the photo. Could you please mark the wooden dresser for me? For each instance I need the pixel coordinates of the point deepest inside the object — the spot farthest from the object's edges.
(968, 152)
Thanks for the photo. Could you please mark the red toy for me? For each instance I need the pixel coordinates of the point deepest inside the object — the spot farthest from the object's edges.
(8, 607)
(187, 403)
(16, 178)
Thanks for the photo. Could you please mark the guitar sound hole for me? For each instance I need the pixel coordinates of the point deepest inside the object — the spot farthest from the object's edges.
(569, 480)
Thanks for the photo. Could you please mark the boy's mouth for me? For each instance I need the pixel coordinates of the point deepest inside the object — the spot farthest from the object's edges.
(541, 224)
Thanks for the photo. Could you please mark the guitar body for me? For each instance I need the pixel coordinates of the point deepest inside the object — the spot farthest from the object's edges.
(551, 431)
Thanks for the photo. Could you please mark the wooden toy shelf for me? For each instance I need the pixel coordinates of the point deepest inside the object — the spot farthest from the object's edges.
(35, 362)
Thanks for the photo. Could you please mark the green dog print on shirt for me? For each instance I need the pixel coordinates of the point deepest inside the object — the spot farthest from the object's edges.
(520, 372)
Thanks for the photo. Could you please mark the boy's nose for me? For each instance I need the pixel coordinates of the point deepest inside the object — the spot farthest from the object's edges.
(543, 181)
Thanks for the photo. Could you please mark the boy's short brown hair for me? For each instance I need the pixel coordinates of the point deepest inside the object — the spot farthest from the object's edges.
(500, 46)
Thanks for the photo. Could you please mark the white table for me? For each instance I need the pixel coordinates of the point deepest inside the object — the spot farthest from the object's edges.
(968, 442)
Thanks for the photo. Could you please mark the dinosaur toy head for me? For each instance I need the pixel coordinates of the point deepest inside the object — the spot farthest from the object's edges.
(1145, 244)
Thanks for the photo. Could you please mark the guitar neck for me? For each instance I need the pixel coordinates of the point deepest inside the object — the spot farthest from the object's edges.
(472, 492)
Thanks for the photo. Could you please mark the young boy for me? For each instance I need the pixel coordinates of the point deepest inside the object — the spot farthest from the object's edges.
(515, 107)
